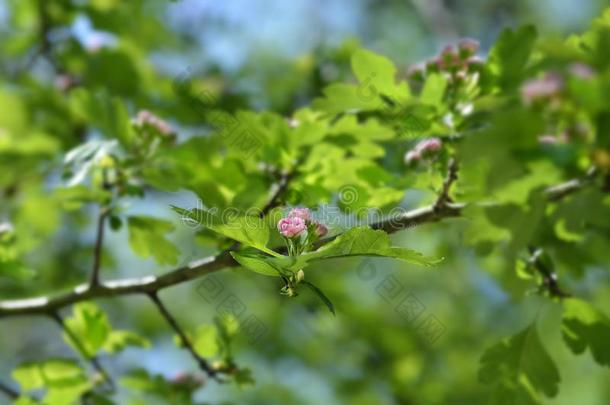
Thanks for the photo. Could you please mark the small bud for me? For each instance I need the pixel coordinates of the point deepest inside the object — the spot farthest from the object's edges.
(321, 230)
(412, 156)
(145, 117)
(300, 276)
(468, 47)
(459, 77)
(475, 64)
(449, 58)
(416, 72)
(64, 82)
(432, 66)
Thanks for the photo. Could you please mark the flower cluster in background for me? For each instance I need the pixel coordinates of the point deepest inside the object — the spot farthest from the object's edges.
(456, 61)
(549, 94)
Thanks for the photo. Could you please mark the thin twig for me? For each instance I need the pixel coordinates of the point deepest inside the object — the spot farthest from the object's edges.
(452, 176)
(202, 267)
(549, 277)
(99, 241)
(280, 189)
(8, 391)
(93, 360)
(201, 362)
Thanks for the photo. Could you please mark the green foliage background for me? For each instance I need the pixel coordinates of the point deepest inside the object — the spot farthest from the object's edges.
(487, 324)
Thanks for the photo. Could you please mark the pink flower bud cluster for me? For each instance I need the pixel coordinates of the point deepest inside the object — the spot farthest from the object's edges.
(545, 88)
(147, 118)
(423, 149)
(456, 61)
(297, 222)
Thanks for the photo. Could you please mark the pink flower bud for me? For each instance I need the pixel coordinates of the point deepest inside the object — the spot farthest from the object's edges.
(412, 156)
(547, 139)
(321, 230)
(147, 118)
(536, 89)
(302, 213)
(449, 58)
(291, 227)
(416, 72)
(581, 70)
(428, 146)
(475, 63)
(468, 47)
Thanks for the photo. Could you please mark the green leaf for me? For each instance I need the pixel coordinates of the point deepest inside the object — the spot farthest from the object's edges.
(118, 340)
(257, 263)
(321, 295)
(584, 327)
(361, 241)
(48, 374)
(434, 89)
(378, 74)
(108, 114)
(90, 324)
(520, 367)
(510, 54)
(147, 238)
(205, 341)
(248, 230)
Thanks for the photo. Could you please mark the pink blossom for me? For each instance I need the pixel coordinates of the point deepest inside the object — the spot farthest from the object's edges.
(291, 227)
(545, 87)
(549, 139)
(148, 118)
(429, 145)
(321, 230)
(581, 70)
(302, 213)
(412, 156)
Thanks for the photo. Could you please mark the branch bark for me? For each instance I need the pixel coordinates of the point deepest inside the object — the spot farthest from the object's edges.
(99, 241)
(8, 391)
(198, 268)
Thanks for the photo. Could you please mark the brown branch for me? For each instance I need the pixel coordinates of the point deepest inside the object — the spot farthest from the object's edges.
(280, 189)
(202, 267)
(93, 360)
(201, 362)
(452, 175)
(99, 238)
(8, 391)
(97, 253)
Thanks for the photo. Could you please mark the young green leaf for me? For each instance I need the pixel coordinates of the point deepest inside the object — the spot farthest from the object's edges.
(90, 324)
(118, 340)
(584, 327)
(248, 230)
(147, 238)
(379, 74)
(521, 368)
